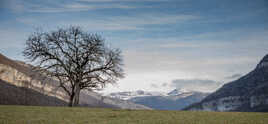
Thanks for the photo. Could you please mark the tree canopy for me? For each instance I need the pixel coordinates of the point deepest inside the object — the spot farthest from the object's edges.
(77, 59)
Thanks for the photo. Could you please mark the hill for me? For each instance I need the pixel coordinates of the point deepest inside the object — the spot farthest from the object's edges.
(249, 93)
(16, 74)
(80, 115)
(13, 95)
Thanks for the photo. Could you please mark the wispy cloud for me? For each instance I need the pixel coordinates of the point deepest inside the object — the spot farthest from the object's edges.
(57, 7)
(134, 22)
(179, 44)
(244, 38)
(195, 63)
(122, 0)
(76, 7)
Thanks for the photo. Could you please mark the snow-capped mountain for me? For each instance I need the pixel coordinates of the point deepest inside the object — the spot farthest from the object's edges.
(178, 92)
(129, 95)
(174, 100)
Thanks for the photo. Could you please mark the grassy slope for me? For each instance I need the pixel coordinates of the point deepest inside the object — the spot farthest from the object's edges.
(64, 115)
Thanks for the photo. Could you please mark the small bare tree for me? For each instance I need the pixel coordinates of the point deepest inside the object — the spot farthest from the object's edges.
(77, 59)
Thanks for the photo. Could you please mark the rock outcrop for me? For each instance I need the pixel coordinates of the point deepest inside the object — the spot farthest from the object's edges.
(14, 95)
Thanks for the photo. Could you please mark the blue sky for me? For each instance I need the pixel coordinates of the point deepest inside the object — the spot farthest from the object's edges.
(165, 43)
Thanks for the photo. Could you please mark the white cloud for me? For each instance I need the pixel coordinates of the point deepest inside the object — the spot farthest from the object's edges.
(203, 85)
(234, 76)
(197, 58)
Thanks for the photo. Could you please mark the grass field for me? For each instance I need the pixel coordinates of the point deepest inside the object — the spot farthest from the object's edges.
(65, 115)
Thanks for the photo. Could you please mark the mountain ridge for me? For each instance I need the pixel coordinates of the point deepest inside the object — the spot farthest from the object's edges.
(248, 93)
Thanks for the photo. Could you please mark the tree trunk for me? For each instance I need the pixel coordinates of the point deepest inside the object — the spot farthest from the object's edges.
(71, 101)
(76, 97)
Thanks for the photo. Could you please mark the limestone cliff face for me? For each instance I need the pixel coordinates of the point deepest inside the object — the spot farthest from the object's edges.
(22, 75)
(249, 93)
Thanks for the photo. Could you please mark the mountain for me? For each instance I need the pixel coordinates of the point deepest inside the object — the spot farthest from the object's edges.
(249, 93)
(23, 84)
(129, 95)
(176, 92)
(174, 100)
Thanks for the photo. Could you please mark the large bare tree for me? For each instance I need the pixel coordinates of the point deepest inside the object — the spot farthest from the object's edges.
(77, 59)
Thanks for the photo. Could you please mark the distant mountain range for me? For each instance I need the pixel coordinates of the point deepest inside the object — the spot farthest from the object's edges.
(174, 100)
(130, 95)
(249, 93)
(20, 85)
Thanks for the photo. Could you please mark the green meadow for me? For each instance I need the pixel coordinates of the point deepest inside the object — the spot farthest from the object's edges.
(79, 115)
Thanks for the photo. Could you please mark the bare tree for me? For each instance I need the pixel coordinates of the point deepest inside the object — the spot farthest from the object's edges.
(77, 59)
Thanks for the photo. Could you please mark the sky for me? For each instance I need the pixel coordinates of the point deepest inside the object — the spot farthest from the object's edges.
(190, 44)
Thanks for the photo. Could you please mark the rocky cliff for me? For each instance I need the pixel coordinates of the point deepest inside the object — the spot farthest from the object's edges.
(14, 95)
(19, 75)
(249, 93)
